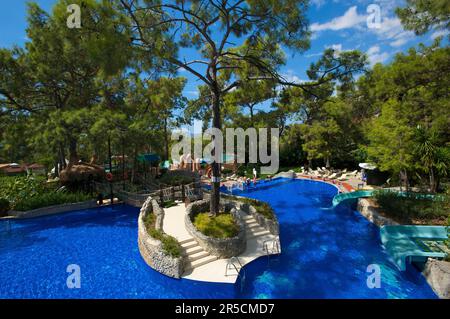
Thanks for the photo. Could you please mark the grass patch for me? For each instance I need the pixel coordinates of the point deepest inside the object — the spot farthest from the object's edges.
(220, 226)
(410, 209)
(169, 244)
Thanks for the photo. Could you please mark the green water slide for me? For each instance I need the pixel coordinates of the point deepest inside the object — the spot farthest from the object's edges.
(339, 198)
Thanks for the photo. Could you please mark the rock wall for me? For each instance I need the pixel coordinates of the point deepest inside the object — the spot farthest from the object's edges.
(271, 225)
(437, 273)
(372, 214)
(220, 247)
(151, 249)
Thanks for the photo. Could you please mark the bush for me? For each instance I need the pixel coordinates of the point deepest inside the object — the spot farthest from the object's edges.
(175, 178)
(406, 207)
(261, 207)
(4, 206)
(220, 226)
(50, 199)
(169, 244)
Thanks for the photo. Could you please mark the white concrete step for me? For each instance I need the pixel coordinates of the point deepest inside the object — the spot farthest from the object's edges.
(251, 235)
(252, 225)
(197, 256)
(187, 240)
(253, 230)
(248, 217)
(200, 262)
(186, 244)
(193, 250)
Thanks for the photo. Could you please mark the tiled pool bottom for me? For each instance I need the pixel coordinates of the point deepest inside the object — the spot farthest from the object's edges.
(325, 255)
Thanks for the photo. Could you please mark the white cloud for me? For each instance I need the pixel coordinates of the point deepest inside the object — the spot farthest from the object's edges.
(350, 19)
(376, 56)
(192, 93)
(392, 30)
(335, 47)
(439, 33)
(291, 76)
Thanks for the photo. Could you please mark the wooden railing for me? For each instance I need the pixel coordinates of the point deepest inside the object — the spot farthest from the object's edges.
(164, 194)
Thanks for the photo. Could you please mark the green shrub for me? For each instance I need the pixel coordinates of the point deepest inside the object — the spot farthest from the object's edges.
(169, 244)
(220, 226)
(50, 199)
(261, 207)
(405, 207)
(175, 179)
(4, 206)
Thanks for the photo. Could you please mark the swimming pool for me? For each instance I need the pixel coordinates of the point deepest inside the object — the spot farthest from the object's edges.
(325, 255)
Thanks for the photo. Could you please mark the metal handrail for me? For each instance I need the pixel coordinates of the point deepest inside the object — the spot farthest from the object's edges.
(275, 246)
(231, 262)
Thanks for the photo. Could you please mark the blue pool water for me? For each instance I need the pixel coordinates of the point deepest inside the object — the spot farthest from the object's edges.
(325, 255)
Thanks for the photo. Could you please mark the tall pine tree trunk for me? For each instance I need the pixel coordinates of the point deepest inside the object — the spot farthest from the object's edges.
(215, 189)
(166, 140)
(73, 153)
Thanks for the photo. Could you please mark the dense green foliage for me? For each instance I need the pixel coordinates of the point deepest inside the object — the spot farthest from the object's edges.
(170, 245)
(50, 199)
(221, 226)
(175, 179)
(31, 192)
(414, 208)
(423, 15)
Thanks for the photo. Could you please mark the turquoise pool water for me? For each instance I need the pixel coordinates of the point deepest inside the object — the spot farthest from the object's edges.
(325, 255)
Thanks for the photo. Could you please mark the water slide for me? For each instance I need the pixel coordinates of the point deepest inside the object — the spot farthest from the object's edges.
(369, 193)
(352, 195)
(414, 243)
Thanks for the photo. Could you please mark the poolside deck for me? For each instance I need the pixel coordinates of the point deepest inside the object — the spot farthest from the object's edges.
(202, 265)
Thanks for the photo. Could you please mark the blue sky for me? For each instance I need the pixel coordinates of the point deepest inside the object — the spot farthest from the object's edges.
(341, 24)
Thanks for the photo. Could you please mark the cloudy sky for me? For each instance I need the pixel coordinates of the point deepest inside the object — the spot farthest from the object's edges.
(340, 24)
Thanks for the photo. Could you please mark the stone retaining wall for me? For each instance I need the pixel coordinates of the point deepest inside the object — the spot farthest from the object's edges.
(370, 212)
(271, 225)
(151, 249)
(220, 247)
(51, 210)
(437, 273)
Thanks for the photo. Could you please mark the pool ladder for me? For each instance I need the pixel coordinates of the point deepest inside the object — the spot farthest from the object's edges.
(238, 268)
(271, 247)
